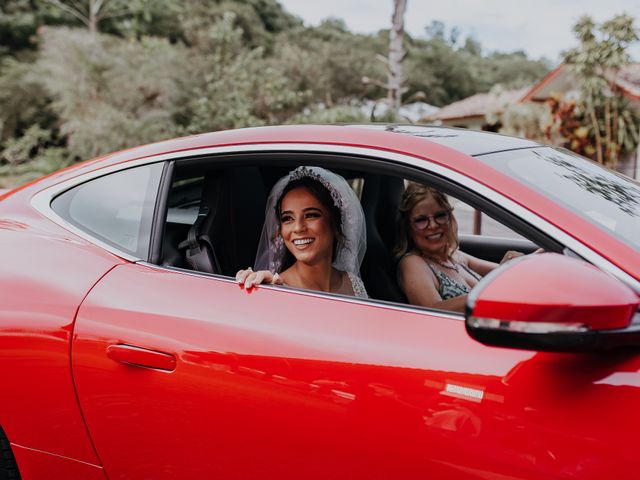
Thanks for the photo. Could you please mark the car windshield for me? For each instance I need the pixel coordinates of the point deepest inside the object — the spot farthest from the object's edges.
(607, 199)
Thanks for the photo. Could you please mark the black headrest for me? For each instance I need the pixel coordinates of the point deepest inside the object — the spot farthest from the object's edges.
(380, 200)
(235, 226)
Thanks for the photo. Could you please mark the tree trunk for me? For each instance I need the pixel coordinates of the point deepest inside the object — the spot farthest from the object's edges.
(609, 148)
(615, 134)
(596, 130)
(396, 56)
(94, 8)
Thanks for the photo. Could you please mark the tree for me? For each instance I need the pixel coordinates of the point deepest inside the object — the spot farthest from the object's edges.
(440, 71)
(142, 70)
(437, 30)
(329, 63)
(259, 20)
(91, 12)
(18, 23)
(596, 62)
(23, 98)
(447, 69)
(235, 86)
(396, 56)
(111, 93)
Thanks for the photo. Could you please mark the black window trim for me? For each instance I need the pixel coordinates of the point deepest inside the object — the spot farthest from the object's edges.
(86, 233)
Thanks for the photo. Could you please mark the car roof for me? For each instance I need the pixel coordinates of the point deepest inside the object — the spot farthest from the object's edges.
(469, 142)
(416, 140)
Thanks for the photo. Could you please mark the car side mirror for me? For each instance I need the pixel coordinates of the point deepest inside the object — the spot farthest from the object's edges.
(554, 303)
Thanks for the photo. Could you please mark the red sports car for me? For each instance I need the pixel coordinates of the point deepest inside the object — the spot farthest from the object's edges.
(123, 358)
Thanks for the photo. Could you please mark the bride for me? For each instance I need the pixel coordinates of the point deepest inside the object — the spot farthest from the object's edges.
(313, 236)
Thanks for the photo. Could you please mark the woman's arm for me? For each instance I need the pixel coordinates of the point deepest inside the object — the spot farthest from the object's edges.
(483, 267)
(418, 283)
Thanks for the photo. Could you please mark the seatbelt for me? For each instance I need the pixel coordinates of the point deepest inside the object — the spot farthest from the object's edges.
(200, 254)
(191, 242)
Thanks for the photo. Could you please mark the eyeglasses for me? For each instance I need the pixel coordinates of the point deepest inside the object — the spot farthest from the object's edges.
(440, 218)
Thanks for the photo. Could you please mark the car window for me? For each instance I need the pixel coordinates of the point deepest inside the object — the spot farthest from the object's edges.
(474, 222)
(116, 208)
(215, 214)
(607, 200)
(230, 204)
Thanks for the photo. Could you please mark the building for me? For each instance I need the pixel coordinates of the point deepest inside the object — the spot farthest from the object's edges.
(472, 112)
(561, 80)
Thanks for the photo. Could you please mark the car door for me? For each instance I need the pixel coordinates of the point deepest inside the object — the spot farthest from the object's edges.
(182, 375)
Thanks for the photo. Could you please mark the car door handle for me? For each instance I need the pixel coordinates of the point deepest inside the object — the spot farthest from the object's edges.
(141, 357)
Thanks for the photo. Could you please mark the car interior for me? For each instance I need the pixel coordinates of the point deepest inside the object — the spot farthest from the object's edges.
(214, 215)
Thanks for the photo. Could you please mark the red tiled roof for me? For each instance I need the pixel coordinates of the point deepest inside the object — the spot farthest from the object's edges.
(627, 79)
(547, 79)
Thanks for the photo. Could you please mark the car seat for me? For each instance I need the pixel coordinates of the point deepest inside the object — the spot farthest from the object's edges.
(380, 200)
(225, 236)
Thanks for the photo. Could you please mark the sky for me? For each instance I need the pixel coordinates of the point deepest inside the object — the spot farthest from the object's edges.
(542, 28)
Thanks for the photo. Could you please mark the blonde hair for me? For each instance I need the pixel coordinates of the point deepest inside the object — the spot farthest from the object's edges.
(414, 194)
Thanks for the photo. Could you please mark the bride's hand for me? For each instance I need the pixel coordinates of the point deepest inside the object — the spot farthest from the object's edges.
(249, 279)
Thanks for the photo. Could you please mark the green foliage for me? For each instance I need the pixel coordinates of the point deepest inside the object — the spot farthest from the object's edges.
(527, 120)
(436, 68)
(341, 114)
(524, 120)
(511, 70)
(603, 50)
(23, 99)
(159, 18)
(234, 86)
(47, 160)
(96, 15)
(110, 93)
(258, 20)
(18, 23)
(30, 156)
(447, 73)
(613, 127)
(159, 68)
(274, 18)
(20, 149)
(329, 62)
(437, 31)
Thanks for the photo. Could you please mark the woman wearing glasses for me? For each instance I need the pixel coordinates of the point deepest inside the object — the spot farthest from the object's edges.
(432, 271)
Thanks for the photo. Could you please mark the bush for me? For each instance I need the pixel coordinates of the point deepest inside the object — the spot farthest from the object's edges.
(233, 86)
(111, 93)
(23, 98)
(343, 114)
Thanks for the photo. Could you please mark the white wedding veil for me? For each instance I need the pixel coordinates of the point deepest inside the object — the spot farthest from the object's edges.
(271, 249)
